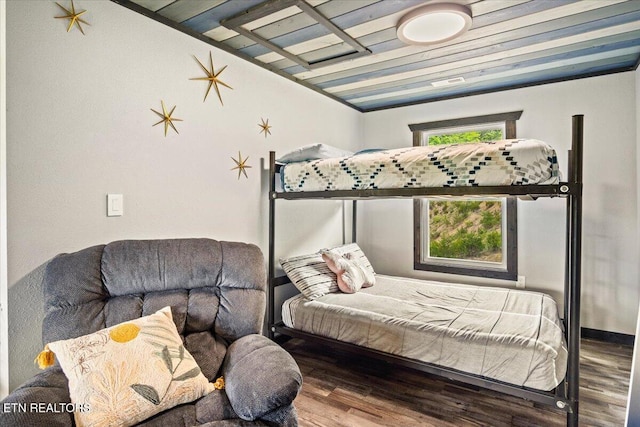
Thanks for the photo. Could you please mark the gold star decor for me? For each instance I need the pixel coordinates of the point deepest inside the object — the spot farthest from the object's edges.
(212, 78)
(241, 165)
(264, 127)
(166, 118)
(73, 17)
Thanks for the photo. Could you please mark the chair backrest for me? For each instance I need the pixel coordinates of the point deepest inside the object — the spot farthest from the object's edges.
(211, 286)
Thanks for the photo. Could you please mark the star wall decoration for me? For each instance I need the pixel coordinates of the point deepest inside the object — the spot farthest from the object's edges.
(166, 118)
(264, 127)
(241, 165)
(212, 77)
(73, 17)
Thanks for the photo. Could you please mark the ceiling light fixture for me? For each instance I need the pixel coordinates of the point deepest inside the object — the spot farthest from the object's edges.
(434, 23)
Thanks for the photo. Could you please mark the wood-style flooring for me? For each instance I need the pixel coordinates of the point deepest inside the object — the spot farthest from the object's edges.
(344, 390)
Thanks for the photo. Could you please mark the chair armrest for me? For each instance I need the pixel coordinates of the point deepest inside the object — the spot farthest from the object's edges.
(42, 401)
(260, 377)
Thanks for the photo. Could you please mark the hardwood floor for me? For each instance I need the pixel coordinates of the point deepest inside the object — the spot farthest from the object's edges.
(341, 390)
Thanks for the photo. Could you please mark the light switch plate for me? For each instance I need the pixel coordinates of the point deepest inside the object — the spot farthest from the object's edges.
(115, 205)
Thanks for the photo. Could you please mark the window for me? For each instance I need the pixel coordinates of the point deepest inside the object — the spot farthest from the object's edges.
(469, 236)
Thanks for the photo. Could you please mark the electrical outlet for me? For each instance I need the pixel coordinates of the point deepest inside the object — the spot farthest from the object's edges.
(520, 282)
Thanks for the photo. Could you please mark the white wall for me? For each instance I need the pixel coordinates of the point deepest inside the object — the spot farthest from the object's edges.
(610, 254)
(4, 345)
(80, 126)
(633, 404)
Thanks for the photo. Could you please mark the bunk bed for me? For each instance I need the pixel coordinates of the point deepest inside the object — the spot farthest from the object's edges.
(565, 394)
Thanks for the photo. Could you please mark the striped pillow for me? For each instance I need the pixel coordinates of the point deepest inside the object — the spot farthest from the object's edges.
(312, 276)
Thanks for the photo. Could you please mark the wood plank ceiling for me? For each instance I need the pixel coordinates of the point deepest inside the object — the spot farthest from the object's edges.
(512, 43)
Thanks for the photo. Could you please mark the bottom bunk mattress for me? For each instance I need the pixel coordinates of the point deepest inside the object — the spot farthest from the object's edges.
(508, 335)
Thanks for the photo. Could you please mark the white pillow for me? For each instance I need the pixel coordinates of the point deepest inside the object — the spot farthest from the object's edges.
(124, 374)
(313, 277)
(313, 152)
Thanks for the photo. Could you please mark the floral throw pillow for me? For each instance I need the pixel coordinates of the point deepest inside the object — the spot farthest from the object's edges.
(124, 374)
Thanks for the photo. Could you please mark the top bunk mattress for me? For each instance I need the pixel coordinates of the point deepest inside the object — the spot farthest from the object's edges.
(495, 163)
(508, 335)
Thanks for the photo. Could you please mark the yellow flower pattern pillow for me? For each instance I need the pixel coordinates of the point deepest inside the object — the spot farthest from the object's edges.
(124, 374)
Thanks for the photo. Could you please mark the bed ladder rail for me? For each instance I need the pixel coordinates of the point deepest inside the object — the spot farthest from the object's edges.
(573, 271)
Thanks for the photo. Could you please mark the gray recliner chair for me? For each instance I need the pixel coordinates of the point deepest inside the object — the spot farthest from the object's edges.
(216, 291)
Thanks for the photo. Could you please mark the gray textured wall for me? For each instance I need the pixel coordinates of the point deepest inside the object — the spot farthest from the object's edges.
(25, 301)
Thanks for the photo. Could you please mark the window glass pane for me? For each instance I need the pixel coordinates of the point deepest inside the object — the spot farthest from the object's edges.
(466, 236)
(469, 230)
(466, 137)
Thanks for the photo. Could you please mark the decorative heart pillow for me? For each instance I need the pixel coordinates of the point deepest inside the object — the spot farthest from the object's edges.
(351, 275)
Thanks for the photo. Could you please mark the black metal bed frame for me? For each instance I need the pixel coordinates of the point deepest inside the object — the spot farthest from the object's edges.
(565, 396)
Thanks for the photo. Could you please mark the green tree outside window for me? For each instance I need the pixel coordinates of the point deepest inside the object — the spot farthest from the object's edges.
(469, 229)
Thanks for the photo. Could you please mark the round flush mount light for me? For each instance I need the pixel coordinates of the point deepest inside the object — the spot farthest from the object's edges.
(434, 23)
